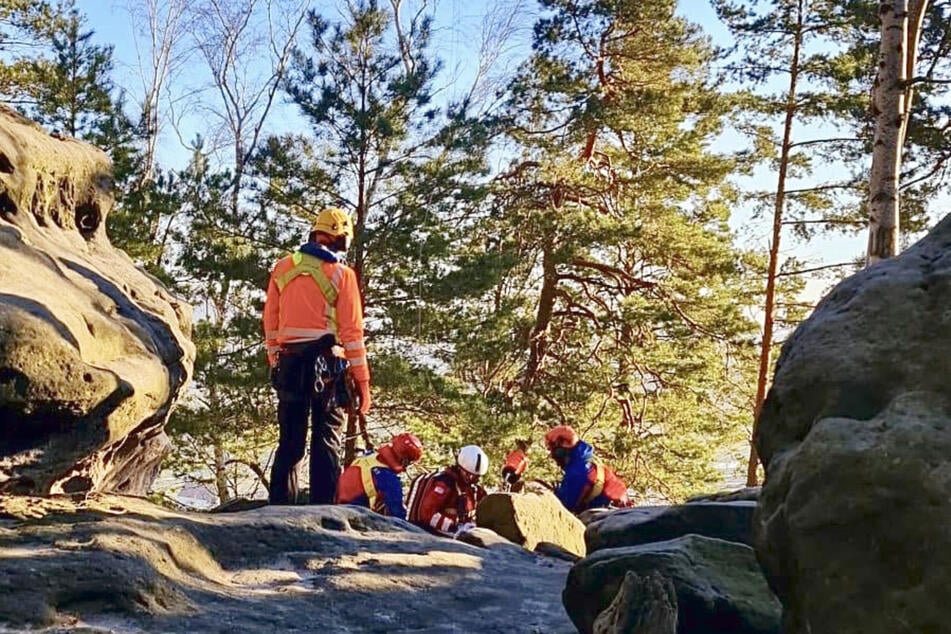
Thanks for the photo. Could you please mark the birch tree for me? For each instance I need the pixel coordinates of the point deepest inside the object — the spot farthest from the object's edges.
(161, 50)
(247, 46)
(892, 95)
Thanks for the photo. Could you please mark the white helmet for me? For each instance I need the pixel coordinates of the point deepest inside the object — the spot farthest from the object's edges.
(473, 460)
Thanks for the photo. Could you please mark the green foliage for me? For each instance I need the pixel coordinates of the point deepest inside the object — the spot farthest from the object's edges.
(592, 281)
(413, 176)
(621, 309)
(26, 27)
(221, 257)
(761, 60)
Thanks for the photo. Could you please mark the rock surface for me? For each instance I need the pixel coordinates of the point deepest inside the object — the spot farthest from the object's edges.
(124, 565)
(855, 436)
(93, 352)
(732, 521)
(532, 518)
(746, 494)
(719, 585)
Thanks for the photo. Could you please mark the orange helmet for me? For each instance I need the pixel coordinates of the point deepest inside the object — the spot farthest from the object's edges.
(407, 447)
(561, 437)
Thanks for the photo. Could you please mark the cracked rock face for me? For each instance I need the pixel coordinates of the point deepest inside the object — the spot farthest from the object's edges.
(855, 435)
(94, 352)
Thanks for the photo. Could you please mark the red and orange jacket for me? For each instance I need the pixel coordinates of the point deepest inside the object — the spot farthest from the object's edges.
(372, 481)
(441, 502)
(312, 294)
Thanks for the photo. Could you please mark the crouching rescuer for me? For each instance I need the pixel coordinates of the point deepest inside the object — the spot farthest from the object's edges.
(373, 480)
(313, 324)
(444, 502)
(587, 482)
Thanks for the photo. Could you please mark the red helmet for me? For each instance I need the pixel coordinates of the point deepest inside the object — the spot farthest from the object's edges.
(561, 437)
(407, 447)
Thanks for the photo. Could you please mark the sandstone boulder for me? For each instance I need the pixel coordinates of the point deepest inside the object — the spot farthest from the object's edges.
(530, 519)
(719, 586)
(94, 352)
(732, 521)
(855, 436)
(125, 565)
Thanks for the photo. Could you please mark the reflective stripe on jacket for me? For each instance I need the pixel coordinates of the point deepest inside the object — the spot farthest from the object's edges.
(589, 484)
(308, 298)
(368, 482)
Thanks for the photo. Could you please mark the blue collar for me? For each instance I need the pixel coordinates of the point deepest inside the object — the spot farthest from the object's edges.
(319, 251)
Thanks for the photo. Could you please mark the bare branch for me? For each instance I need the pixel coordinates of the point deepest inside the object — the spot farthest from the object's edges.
(815, 269)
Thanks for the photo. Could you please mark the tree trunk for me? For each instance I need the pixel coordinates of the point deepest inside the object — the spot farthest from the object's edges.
(889, 111)
(916, 20)
(769, 302)
(221, 478)
(643, 605)
(538, 344)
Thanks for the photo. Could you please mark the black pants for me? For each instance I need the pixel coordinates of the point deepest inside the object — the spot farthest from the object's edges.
(298, 405)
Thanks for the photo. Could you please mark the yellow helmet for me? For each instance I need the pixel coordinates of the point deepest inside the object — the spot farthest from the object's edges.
(335, 222)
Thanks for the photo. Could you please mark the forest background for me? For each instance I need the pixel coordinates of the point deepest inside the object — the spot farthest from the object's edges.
(603, 213)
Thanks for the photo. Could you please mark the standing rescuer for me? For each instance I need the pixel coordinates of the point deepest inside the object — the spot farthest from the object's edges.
(587, 483)
(373, 480)
(313, 304)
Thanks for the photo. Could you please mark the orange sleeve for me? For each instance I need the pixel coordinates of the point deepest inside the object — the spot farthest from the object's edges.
(516, 462)
(350, 325)
(272, 316)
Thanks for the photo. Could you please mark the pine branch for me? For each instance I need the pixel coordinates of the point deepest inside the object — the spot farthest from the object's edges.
(256, 468)
(821, 188)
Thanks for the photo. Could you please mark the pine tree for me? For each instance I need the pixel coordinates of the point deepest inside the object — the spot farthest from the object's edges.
(409, 173)
(823, 53)
(625, 292)
(788, 42)
(225, 426)
(74, 94)
(26, 27)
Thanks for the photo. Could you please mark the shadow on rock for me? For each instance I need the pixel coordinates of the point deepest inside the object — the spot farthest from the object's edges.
(104, 559)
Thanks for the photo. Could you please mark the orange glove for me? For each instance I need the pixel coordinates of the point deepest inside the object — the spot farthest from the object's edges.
(364, 388)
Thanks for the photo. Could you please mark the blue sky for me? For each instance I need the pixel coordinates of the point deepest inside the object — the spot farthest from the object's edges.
(457, 29)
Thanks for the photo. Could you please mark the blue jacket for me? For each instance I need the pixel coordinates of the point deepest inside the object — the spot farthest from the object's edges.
(577, 480)
(388, 487)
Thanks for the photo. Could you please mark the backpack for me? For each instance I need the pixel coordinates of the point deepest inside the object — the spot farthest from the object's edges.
(415, 498)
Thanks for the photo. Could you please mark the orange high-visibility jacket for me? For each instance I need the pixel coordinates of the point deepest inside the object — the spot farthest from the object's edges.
(308, 298)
